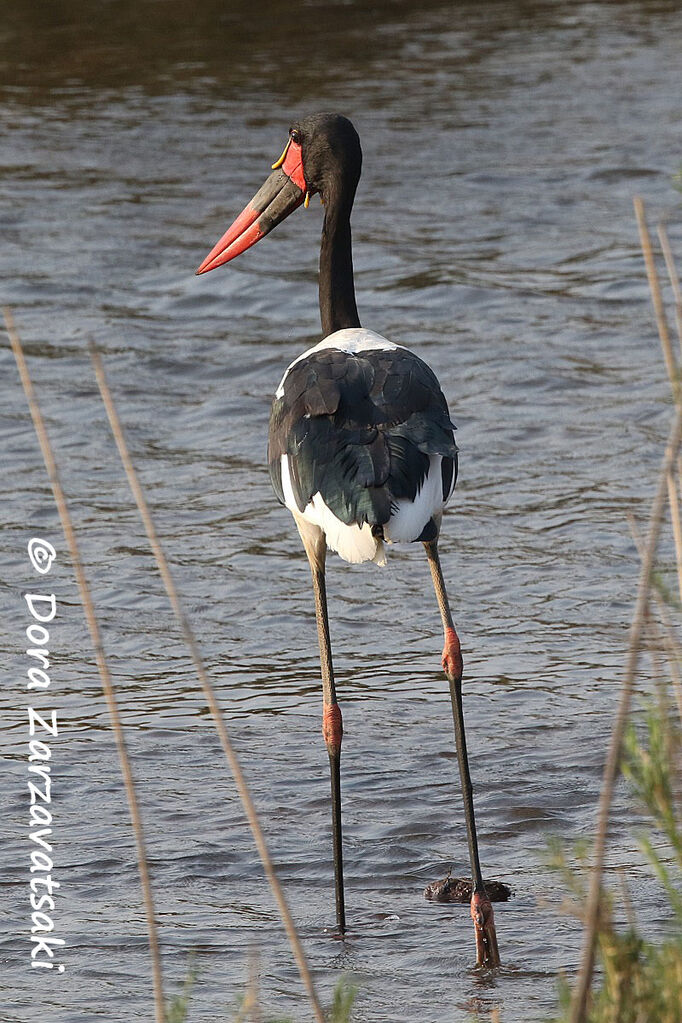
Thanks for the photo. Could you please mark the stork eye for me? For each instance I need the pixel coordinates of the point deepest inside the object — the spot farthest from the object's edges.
(295, 136)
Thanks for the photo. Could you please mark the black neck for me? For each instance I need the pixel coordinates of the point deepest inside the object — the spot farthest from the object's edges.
(337, 290)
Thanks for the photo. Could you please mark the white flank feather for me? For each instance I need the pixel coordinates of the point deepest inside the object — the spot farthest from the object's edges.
(354, 543)
(410, 517)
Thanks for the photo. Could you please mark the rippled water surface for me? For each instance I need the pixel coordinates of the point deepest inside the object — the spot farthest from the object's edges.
(494, 234)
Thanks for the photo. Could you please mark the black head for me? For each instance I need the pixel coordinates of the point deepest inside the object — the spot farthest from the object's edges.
(322, 155)
(332, 157)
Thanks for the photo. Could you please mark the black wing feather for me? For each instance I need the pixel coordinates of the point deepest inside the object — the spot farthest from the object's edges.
(359, 430)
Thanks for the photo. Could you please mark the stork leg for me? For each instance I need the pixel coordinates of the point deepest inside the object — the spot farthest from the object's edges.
(487, 952)
(332, 726)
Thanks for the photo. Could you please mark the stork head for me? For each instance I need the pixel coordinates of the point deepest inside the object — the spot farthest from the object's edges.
(322, 155)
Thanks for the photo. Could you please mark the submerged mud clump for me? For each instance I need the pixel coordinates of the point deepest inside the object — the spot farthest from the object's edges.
(460, 889)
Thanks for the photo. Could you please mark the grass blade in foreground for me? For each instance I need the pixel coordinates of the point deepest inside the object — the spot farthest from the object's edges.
(581, 992)
(102, 666)
(214, 706)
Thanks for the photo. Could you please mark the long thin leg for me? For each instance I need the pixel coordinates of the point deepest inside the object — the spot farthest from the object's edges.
(332, 725)
(481, 909)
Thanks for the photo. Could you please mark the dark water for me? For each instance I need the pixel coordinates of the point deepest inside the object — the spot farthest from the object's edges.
(494, 234)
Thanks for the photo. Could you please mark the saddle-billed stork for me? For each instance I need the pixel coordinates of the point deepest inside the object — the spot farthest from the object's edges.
(361, 446)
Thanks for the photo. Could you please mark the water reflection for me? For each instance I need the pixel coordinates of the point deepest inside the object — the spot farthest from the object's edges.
(300, 52)
(163, 44)
(493, 233)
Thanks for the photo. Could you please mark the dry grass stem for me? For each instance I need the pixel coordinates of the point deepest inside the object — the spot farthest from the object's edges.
(666, 345)
(584, 980)
(672, 646)
(667, 485)
(673, 500)
(673, 484)
(655, 289)
(670, 262)
(107, 685)
(207, 687)
(674, 279)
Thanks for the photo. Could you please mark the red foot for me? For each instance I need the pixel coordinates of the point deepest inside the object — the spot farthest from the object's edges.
(332, 727)
(487, 952)
(453, 665)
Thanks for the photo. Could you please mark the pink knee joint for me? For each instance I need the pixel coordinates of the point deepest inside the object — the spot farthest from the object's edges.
(452, 654)
(332, 727)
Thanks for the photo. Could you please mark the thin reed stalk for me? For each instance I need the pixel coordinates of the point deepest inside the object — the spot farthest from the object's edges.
(584, 980)
(668, 354)
(674, 279)
(673, 481)
(670, 262)
(206, 685)
(656, 296)
(107, 685)
(667, 483)
(669, 638)
(673, 500)
(582, 988)
(677, 297)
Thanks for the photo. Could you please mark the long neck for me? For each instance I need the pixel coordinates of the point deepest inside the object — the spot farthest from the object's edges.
(337, 290)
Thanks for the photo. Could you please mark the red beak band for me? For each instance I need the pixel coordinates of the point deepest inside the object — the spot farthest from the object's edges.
(280, 195)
